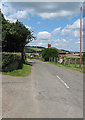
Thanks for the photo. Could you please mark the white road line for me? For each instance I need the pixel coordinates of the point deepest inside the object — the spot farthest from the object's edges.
(62, 81)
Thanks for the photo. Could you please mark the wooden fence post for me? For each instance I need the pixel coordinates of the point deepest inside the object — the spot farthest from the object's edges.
(75, 62)
(64, 61)
(69, 61)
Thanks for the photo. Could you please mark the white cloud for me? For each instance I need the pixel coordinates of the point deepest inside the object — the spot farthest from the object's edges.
(41, 44)
(66, 32)
(75, 25)
(47, 10)
(58, 40)
(78, 42)
(0, 5)
(44, 35)
(27, 27)
(76, 33)
(72, 30)
(47, 15)
(64, 40)
(55, 45)
(56, 31)
(19, 15)
(55, 15)
(10, 19)
(4, 9)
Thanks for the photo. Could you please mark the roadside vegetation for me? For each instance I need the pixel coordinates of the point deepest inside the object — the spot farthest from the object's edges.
(48, 53)
(71, 66)
(15, 36)
(51, 56)
(23, 72)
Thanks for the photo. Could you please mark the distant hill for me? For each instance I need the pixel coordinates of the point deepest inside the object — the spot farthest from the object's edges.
(33, 49)
(69, 51)
(38, 49)
(64, 50)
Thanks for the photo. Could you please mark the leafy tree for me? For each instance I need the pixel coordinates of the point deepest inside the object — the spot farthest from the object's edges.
(15, 36)
(49, 52)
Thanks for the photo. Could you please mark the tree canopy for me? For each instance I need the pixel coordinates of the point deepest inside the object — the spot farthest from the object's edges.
(15, 36)
(49, 52)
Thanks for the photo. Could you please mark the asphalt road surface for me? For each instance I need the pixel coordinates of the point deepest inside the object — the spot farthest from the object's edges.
(49, 92)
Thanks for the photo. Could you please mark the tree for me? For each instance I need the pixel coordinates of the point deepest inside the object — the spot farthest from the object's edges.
(15, 36)
(49, 52)
(83, 58)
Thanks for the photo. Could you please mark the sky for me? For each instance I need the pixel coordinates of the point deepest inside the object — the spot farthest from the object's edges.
(56, 23)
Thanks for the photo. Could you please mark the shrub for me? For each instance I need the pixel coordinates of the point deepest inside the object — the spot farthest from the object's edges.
(49, 52)
(9, 60)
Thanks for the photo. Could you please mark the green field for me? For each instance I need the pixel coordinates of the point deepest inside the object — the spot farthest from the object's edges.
(33, 49)
(37, 49)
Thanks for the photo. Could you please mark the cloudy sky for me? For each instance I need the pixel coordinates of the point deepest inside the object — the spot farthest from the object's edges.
(56, 23)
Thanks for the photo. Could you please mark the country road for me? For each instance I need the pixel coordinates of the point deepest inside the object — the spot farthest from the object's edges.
(49, 92)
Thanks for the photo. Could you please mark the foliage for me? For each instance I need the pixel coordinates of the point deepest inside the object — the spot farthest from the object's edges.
(83, 57)
(8, 58)
(49, 52)
(65, 57)
(15, 36)
(25, 71)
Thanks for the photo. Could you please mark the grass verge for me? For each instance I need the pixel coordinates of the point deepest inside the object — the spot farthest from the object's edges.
(25, 71)
(71, 66)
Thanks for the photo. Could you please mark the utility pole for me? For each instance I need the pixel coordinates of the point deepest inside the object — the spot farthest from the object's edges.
(80, 32)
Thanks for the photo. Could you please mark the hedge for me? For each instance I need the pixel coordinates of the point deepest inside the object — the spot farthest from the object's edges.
(11, 61)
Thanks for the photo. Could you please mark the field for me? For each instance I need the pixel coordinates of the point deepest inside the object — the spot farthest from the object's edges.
(33, 49)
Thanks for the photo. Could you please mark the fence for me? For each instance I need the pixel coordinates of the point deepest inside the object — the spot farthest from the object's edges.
(67, 61)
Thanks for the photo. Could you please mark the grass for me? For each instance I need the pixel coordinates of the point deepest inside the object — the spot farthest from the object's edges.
(25, 71)
(35, 48)
(71, 66)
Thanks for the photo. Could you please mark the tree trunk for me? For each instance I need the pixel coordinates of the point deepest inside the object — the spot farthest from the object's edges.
(22, 57)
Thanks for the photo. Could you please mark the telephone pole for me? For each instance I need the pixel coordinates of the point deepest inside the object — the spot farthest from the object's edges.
(80, 33)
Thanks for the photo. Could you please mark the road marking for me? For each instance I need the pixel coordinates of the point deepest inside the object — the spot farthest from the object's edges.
(62, 81)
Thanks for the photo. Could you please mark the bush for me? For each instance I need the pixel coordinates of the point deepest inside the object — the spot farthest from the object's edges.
(49, 52)
(11, 61)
